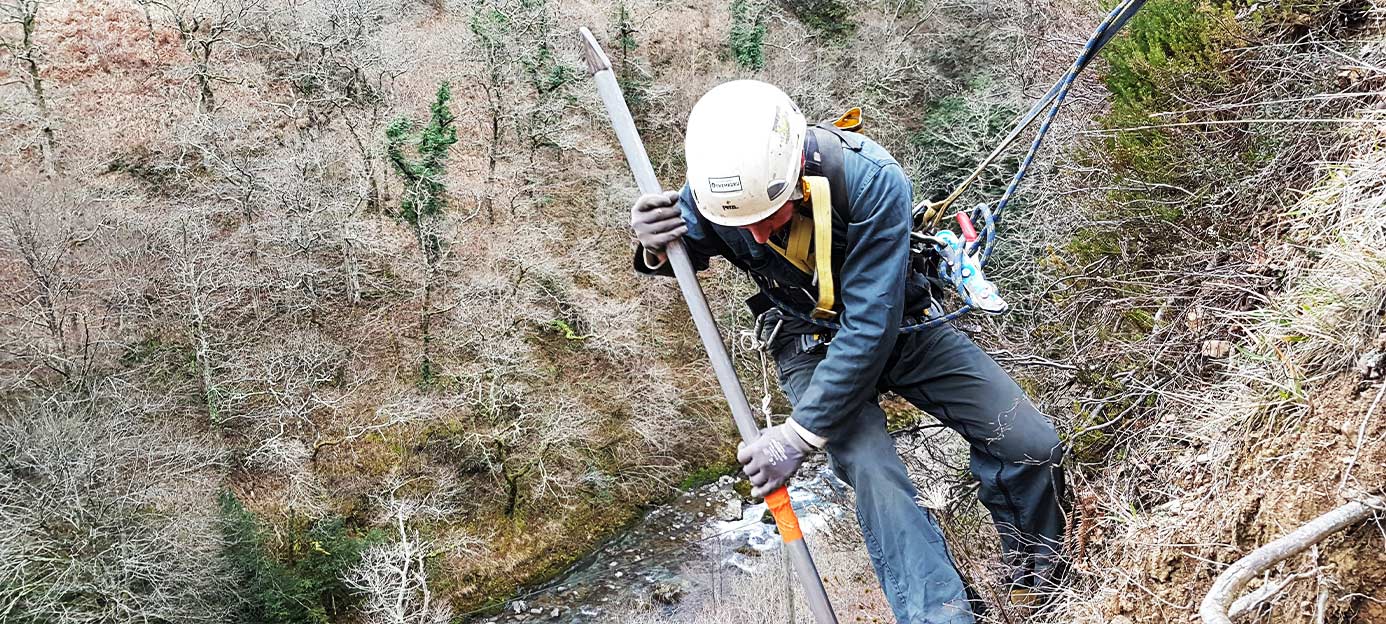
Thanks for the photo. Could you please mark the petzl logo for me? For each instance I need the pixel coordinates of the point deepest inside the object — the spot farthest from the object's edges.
(724, 185)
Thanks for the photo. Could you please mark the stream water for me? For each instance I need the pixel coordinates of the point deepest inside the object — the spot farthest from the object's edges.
(709, 529)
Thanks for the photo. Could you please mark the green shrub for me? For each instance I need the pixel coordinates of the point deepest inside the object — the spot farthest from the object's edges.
(1170, 52)
(424, 190)
(1165, 46)
(293, 575)
(831, 19)
(747, 37)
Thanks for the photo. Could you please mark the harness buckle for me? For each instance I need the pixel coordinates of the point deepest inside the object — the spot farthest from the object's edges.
(814, 343)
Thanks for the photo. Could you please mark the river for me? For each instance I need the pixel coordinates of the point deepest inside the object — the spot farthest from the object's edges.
(666, 558)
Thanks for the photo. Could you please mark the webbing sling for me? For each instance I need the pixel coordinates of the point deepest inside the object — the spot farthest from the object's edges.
(819, 195)
(796, 251)
(819, 229)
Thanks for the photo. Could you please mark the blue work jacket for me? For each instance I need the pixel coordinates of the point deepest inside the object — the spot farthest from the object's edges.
(874, 260)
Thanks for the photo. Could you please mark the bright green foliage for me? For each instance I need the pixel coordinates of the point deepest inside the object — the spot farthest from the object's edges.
(1170, 51)
(1166, 45)
(747, 38)
(561, 326)
(708, 474)
(424, 193)
(545, 73)
(293, 575)
(489, 25)
(832, 19)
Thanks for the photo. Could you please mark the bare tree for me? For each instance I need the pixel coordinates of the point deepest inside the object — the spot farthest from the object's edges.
(42, 231)
(329, 53)
(105, 515)
(24, 14)
(393, 575)
(196, 289)
(532, 447)
(205, 26)
(489, 25)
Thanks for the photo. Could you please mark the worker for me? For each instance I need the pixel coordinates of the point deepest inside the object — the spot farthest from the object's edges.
(748, 151)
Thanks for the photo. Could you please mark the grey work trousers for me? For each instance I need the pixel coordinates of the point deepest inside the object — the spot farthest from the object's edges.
(1015, 454)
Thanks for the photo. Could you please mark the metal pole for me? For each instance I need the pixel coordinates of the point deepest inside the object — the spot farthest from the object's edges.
(777, 501)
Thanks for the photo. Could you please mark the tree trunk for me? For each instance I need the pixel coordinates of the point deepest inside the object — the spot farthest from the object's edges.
(492, 157)
(368, 162)
(47, 141)
(149, 25)
(206, 100)
(425, 327)
(428, 242)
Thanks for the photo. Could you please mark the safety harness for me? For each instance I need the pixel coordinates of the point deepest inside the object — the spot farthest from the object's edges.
(810, 243)
(813, 238)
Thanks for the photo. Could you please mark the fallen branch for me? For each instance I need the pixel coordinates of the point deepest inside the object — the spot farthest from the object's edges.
(1229, 584)
(1243, 606)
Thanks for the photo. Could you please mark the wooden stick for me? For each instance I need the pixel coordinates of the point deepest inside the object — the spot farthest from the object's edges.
(1230, 583)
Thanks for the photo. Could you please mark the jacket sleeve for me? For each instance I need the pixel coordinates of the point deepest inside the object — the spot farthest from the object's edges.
(872, 291)
(701, 242)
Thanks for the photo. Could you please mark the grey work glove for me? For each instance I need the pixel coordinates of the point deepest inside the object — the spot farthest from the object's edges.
(656, 220)
(772, 458)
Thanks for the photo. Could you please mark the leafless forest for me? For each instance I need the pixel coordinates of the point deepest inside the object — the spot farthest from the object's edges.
(322, 310)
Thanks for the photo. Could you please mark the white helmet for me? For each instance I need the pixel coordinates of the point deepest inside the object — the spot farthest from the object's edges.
(744, 148)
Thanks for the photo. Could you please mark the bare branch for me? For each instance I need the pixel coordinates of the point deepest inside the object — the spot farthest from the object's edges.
(1214, 608)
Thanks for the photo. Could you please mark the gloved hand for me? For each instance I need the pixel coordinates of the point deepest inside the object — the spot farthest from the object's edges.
(656, 220)
(772, 458)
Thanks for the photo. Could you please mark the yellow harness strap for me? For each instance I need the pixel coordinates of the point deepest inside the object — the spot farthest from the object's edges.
(819, 229)
(800, 236)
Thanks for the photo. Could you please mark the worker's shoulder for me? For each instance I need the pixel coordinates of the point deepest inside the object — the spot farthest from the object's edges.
(866, 162)
(873, 153)
(861, 166)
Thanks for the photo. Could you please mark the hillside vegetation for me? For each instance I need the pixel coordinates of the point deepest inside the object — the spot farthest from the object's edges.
(322, 310)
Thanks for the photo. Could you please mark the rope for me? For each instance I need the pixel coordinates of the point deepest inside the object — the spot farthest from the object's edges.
(1104, 33)
(928, 214)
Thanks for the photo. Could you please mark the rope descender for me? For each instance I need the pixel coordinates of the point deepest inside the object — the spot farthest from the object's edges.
(961, 262)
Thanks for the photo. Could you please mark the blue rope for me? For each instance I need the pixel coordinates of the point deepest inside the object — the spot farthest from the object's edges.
(1051, 101)
(1104, 33)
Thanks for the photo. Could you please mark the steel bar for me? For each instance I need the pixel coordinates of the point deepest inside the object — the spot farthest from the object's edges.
(778, 501)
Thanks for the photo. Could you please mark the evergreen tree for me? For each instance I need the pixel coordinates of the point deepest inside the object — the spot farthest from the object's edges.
(424, 192)
(290, 577)
(424, 199)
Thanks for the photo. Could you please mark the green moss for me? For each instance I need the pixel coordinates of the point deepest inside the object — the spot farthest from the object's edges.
(708, 474)
(1090, 244)
(1138, 321)
(900, 415)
